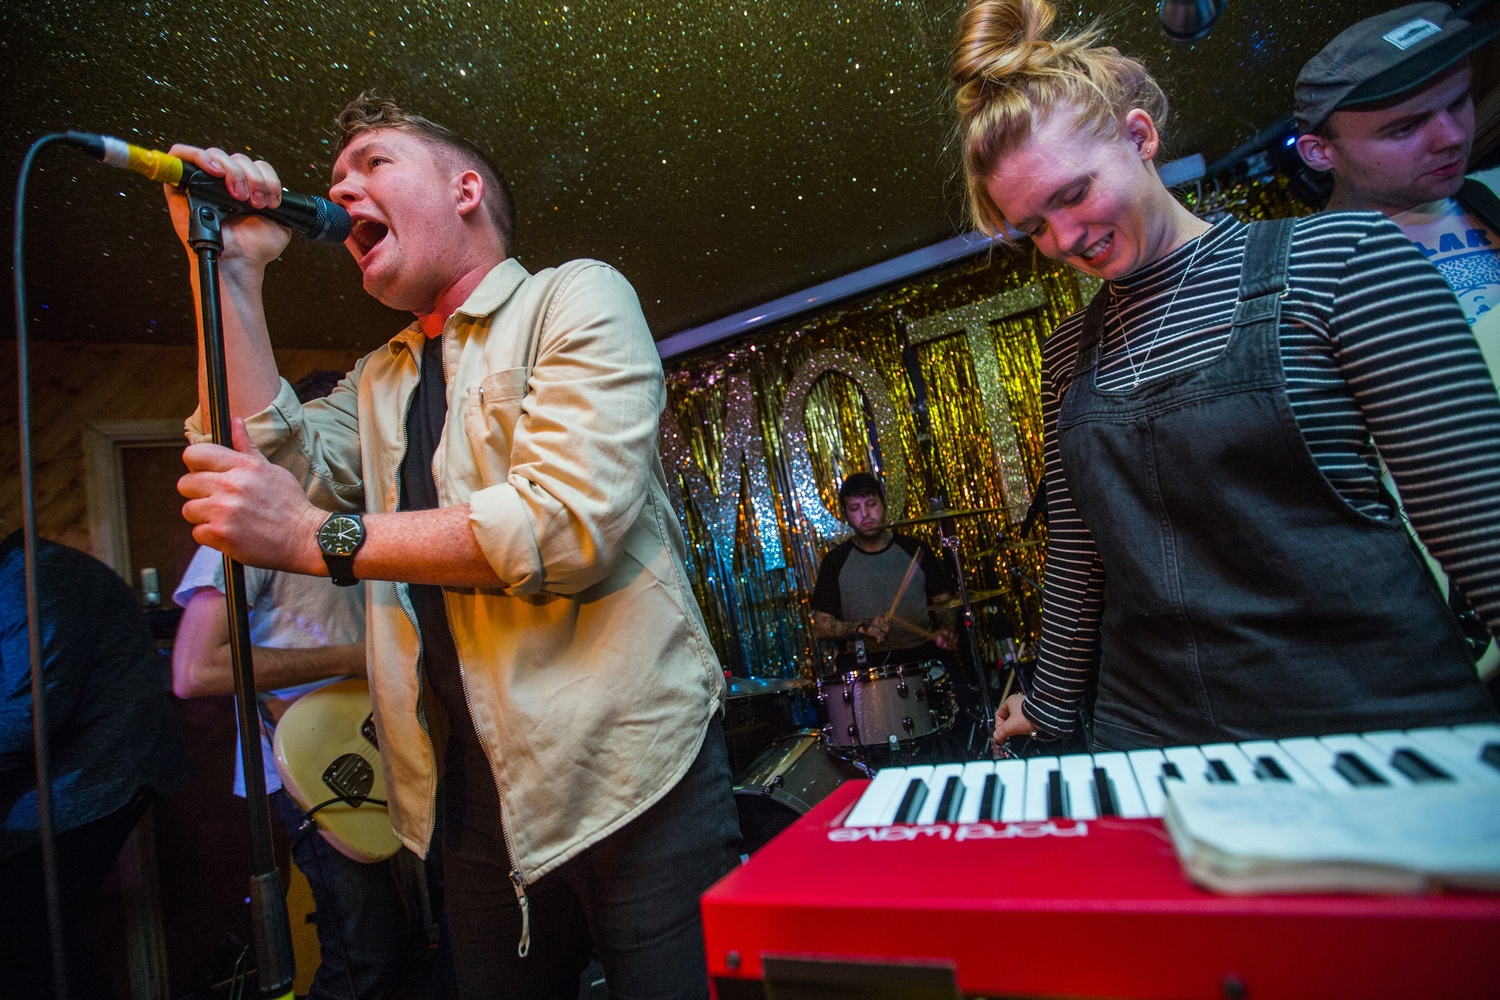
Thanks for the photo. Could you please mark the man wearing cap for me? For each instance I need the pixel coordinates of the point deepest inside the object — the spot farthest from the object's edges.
(1386, 108)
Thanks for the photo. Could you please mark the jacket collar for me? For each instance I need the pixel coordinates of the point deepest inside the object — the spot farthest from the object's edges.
(491, 293)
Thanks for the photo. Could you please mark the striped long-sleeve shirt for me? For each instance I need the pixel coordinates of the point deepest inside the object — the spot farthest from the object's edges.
(1379, 361)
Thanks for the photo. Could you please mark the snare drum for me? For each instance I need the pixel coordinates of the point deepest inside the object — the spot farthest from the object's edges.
(876, 706)
(791, 777)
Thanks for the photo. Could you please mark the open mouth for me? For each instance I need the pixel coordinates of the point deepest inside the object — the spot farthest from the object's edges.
(1093, 251)
(366, 233)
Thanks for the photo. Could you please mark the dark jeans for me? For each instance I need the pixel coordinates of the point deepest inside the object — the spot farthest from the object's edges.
(362, 919)
(85, 855)
(632, 897)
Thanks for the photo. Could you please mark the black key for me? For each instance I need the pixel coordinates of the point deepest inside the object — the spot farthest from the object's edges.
(990, 796)
(1104, 794)
(1170, 770)
(911, 802)
(1491, 755)
(1221, 772)
(1355, 771)
(1418, 768)
(1055, 808)
(1270, 769)
(953, 795)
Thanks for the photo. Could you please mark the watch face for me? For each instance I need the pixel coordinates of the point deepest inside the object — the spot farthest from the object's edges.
(340, 535)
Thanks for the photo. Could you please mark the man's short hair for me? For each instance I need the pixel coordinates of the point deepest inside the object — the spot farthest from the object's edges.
(369, 111)
(861, 484)
(317, 384)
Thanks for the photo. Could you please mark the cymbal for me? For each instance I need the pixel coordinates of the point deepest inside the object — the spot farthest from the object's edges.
(977, 597)
(938, 515)
(1030, 543)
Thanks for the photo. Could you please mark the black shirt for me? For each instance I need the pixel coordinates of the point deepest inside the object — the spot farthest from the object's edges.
(465, 782)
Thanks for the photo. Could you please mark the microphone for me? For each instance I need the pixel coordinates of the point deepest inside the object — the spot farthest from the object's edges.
(305, 214)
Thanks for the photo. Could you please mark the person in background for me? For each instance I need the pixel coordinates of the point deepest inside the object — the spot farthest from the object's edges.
(1386, 109)
(307, 634)
(115, 746)
(1223, 564)
(859, 578)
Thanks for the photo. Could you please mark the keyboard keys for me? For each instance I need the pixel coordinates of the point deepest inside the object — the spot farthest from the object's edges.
(1354, 756)
(1455, 754)
(1273, 763)
(883, 791)
(1012, 777)
(981, 790)
(1076, 773)
(1191, 765)
(1122, 785)
(1039, 771)
(1148, 768)
(935, 810)
(1417, 768)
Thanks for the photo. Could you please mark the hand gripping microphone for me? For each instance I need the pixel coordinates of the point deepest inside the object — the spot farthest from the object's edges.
(305, 214)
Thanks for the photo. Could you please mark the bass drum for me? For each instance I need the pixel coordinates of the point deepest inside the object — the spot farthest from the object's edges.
(793, 775)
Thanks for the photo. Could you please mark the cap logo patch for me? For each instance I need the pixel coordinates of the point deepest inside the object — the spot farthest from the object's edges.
(1411, 33)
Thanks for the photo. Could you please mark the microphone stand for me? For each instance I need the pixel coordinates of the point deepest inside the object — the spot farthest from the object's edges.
(274, 963)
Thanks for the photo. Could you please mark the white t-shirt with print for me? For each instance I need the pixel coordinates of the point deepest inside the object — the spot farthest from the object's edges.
(287, 611)
(1467, 253)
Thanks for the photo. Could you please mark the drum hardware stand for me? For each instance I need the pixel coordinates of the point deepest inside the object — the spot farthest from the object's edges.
(270, 926)
(948, 535)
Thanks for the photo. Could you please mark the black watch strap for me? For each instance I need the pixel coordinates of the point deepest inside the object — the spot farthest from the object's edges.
(339, 538)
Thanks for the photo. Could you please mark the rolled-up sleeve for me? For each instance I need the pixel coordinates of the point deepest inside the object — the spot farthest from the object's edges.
(584, 444)
(317, 442)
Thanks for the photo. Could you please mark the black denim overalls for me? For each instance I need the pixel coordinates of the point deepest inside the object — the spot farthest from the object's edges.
(1243, 597)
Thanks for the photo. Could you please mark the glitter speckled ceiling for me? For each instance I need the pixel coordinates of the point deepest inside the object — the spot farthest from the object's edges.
(719, 154)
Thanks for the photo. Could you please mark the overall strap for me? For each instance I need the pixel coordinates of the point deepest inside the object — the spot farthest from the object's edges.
(1263, 274)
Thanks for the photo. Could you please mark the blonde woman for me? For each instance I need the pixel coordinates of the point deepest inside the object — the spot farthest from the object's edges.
(1224, 562)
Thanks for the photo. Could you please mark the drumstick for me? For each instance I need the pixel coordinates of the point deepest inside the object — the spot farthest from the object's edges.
(904, 581)
(915, 628)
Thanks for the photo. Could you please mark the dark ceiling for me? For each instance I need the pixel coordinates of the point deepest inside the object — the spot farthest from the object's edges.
(719, 154)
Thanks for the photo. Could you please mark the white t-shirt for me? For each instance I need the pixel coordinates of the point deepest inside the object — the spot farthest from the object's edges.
(287, 611)
(1467, 253)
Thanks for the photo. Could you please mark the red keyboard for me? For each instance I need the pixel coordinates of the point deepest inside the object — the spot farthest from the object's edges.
(1071, 908)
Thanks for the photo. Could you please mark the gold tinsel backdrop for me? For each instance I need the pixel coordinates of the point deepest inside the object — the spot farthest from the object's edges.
(934, 384)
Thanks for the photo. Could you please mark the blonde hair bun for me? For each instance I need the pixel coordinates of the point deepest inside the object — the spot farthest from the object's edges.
(1010, 73)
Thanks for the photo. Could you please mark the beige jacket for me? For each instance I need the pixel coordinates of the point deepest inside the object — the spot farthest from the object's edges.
(589, 676)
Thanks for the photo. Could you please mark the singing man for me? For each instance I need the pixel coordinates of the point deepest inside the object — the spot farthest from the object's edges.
(545, 694)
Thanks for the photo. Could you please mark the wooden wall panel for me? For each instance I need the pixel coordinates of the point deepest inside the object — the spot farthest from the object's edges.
(72, 384)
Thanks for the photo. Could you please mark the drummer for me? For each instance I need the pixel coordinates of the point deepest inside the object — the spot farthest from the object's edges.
(858, 581)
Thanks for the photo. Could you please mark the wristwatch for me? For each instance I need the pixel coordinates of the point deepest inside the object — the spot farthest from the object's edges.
(339, 538)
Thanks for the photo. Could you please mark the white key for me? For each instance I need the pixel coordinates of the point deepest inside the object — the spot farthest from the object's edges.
(1258, 750)
(1037, 771)
(1319, 759)
(940, 776)
(1452, 749)
(1190, 762)
(1122, 786)
(1388, 742)
(922, 773)
(1371, 755)
(1012, 775)
(974, 774)
(878, 803)
(1147, 767)
(1078, 780)
(1479, 733)
(1234, 761)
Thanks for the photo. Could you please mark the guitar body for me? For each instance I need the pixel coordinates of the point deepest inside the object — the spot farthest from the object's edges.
(325, 746)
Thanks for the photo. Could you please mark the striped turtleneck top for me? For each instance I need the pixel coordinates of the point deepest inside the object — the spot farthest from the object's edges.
(1380, 364)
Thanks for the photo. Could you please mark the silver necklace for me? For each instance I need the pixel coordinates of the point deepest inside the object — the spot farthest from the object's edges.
(1135, 371)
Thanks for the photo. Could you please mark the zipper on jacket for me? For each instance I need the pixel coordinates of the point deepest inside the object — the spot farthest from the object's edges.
(517, 880)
